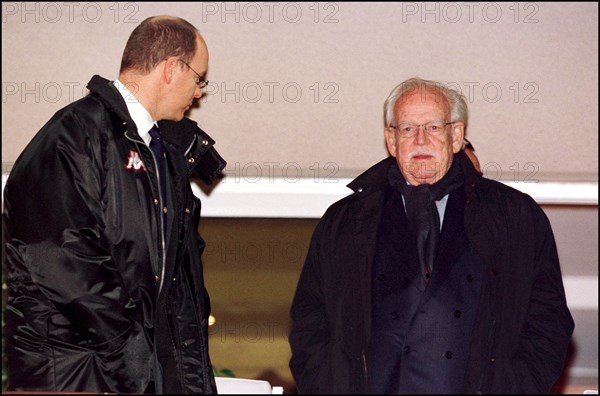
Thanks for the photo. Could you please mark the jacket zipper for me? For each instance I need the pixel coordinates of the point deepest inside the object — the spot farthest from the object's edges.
(162, 225)
(160, 216)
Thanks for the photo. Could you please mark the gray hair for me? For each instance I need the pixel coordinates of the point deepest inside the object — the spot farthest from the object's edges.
(455, 100)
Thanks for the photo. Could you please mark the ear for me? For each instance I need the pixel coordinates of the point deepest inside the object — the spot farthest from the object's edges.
(168, 68)
(458, 134)
(390, 140)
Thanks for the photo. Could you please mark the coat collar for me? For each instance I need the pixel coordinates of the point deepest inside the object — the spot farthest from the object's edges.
(374, 178)
(109, 94)
(184, 134)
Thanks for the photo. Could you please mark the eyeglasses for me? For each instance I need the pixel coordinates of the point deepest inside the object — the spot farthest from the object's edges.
(201, 82)
(433, 128)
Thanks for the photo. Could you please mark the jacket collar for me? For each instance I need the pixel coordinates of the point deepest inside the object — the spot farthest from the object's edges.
(181, 133)
(184, 134)
(374, 178)
(113, 100)
(108, 93)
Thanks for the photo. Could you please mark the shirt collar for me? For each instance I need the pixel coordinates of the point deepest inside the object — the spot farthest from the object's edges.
(139, 114)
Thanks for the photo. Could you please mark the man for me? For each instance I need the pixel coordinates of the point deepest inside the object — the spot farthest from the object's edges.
(429, 278)
(104, 271)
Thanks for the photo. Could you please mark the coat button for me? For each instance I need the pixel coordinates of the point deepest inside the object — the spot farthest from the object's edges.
(394, 315)
(380, 277)
(469, 278)
(457, 314)
(407, 349)
(156, 202)
(191, 160)
(204, 142)
(360, 190)
(448, 355)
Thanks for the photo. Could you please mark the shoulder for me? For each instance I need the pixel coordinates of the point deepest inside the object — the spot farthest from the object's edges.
(341, 207)
(501, 199)
(80, 127)
(80, 123)
(494, 189)
(366, 192)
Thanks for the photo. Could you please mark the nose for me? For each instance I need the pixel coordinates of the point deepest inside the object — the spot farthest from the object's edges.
(421, 137)
(198, 92)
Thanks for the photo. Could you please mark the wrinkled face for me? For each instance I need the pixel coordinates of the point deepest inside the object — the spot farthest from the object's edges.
(183, 88)
(425, 157)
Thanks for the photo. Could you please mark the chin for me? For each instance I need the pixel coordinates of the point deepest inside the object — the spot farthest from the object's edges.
(420, 179)
(425, 175)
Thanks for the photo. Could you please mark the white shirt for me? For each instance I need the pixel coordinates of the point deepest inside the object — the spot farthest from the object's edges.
(140, 116)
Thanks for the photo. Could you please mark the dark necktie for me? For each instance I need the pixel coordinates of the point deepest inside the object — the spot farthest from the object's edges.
(157, 147)
(424, 220)
(421, 210)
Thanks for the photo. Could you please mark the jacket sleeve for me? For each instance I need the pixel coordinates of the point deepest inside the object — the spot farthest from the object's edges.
(56, 249)
(310, 331)
(547, 330)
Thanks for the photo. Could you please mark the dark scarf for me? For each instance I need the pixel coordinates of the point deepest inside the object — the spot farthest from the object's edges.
(421, 211)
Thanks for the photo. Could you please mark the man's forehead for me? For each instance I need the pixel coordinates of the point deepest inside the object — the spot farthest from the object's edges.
(421, 99)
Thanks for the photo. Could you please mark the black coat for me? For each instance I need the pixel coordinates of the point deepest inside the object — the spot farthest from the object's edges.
(522, 327)
(84, 312)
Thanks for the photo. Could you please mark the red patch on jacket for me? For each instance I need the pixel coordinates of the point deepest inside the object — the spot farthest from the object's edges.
(134, 161)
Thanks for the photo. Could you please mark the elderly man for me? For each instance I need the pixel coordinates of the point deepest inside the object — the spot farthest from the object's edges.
(429, 278)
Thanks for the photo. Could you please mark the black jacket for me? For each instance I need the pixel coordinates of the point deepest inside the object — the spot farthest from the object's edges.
(522, 327)
(83, 252)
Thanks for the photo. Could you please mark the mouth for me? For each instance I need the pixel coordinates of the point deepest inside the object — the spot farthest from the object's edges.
(422, 157)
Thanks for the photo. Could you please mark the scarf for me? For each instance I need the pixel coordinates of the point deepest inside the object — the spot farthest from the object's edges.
(421, 210)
